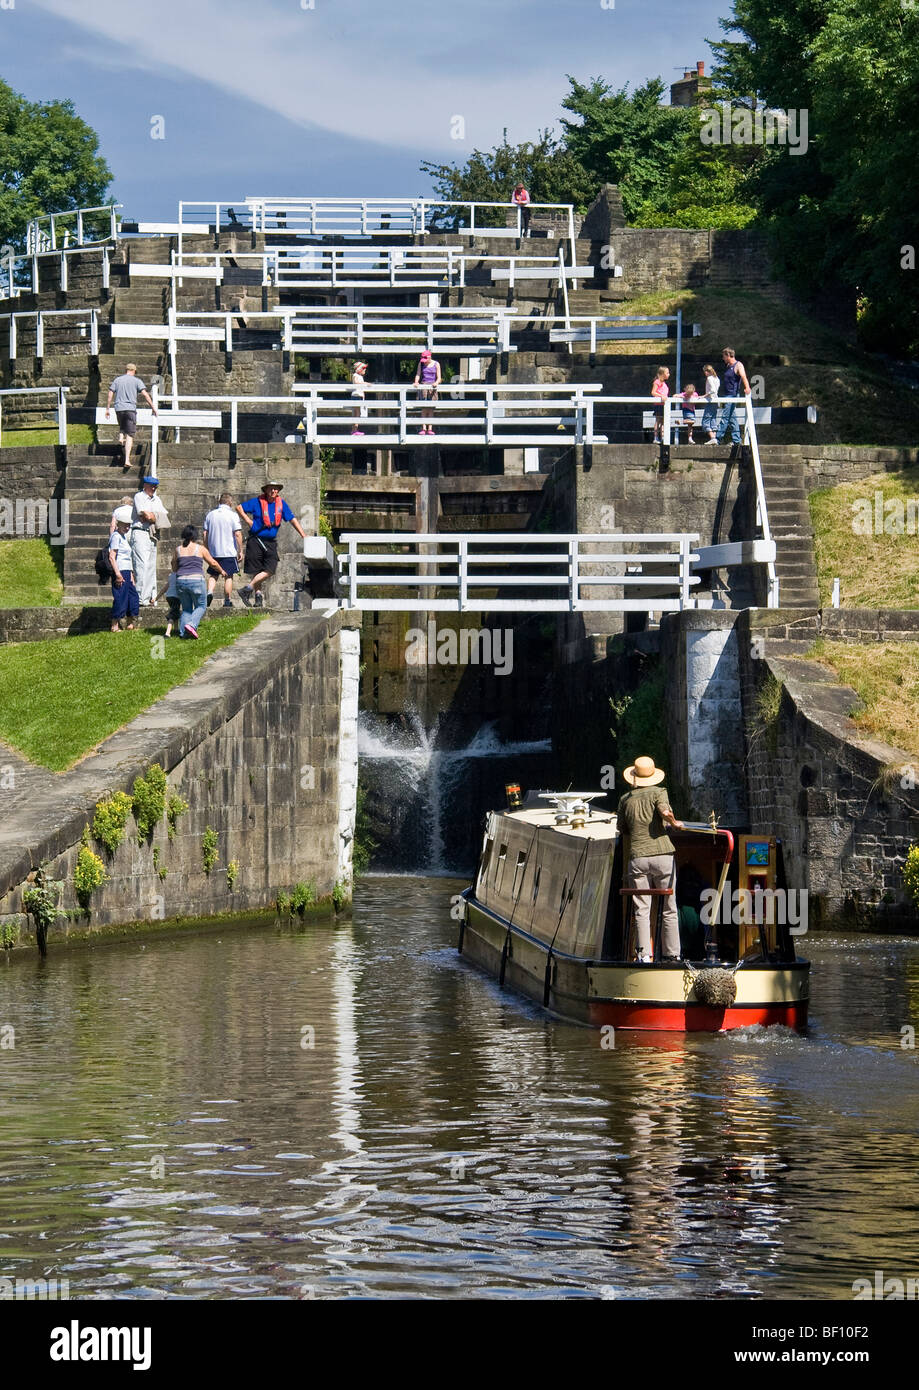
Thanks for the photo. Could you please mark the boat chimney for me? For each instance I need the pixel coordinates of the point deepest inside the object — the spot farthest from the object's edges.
(512, 792)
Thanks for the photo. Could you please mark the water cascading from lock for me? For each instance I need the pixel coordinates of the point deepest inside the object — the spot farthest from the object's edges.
(427, 802)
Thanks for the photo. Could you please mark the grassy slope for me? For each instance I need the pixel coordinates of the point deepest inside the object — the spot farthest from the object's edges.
(802, 363)
(885, 675)
(875, 571)
(62, 697)
(45, 434)
(29, 574)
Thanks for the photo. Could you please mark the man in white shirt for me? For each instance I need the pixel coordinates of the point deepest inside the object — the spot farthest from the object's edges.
(149, 515)
(223, 536)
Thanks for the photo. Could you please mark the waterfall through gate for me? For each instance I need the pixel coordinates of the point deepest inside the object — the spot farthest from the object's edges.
(427, 802)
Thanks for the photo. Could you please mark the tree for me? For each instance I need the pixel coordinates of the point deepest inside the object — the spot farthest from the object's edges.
(628, 140)
(843, 211)
(49, 162)
(549, 171)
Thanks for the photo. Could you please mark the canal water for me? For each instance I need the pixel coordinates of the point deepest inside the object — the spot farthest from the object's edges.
(353, 1111)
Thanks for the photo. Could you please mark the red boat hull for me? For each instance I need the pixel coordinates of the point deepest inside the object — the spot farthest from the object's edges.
(696, 1018)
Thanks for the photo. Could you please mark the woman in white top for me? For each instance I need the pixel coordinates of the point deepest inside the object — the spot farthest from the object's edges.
(712, 392)
(357, 393)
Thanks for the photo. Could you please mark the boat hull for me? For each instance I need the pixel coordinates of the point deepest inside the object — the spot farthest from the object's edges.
(620, 995)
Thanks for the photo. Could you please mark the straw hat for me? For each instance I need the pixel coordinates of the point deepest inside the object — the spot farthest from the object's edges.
(643, 773)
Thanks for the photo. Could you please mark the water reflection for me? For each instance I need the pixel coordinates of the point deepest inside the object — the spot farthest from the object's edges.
(168, 1134)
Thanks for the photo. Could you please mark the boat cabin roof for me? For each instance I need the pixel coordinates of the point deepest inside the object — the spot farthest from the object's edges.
(599, 826)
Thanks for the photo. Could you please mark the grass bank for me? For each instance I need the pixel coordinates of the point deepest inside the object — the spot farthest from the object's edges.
(63, 697)
(30, 574)
(801, 361)
(885, 676)
(34, 435)
(878, 569)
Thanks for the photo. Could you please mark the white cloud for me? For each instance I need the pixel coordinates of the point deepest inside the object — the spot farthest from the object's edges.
(372, 71)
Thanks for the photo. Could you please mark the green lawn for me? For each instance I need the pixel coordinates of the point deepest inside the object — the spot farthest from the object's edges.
(63, 697)
(29, 574)
(45, 434)
(878, 569)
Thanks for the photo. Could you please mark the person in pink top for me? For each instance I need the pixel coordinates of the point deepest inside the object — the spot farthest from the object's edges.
(661, 390)
(427, 379)
(522, 199)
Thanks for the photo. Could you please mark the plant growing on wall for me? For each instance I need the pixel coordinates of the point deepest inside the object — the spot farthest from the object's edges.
(176, 806)
(364, 843)
(40, 902)
(88, 874)
(110, 819)
(911, 875)
(160, 868)
(340, 894)
(232, 874)
(149, 801)
(209, 849)
(282, 902)
(302, 897)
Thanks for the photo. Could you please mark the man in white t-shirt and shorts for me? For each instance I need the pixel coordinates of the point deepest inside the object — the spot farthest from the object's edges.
(223, 536)
(123, 394)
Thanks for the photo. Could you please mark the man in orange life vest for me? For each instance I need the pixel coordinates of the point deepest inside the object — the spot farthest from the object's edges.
(263, 515)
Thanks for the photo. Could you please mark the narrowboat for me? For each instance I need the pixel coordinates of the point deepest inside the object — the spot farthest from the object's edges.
(548, 915)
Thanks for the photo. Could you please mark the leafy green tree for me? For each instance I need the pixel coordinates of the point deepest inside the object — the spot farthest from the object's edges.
(843, 211)
(549, 171)
(49, 162)
(630, 140)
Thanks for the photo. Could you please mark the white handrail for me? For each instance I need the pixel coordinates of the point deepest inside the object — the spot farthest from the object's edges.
(458, 560)
(60, 395)
(39, 241)
(762, 510)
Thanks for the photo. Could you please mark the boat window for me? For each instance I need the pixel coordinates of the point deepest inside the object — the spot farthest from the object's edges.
(519, 871)
(536, 882)
(499, 867)
(561, 905)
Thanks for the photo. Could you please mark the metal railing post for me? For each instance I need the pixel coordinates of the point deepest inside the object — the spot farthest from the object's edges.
(12, 337)
(666, 424)
(62, 415)
(463, 575)
(94, 333)
(39, 335)
(352, 573)
(489, 417)
(685, 546)
(578, 418)
(573, 573)
(114, 224)
(234, 420)
(403, 414)
(106, 268)
(228, 333)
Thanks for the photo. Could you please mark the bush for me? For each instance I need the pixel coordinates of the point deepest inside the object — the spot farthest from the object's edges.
(110, 819)
(302, 897)
(40, 901)
(232, 874)
(209, 849)
(88, 875)
(911, 875)
(150, 801)
(176, 806)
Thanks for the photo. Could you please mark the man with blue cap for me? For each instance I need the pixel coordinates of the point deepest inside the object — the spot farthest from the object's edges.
(149, 515)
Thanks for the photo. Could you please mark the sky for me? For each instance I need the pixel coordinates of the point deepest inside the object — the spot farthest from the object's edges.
(273, 98)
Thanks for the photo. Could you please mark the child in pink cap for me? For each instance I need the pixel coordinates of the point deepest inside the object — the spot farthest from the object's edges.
(427, 379)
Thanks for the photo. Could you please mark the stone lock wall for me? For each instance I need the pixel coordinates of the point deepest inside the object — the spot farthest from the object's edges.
(261, 743)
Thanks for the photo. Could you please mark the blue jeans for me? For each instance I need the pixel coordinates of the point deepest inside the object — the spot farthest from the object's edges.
(729, 418)
(193, 598)
(709, 416)
(125, 600)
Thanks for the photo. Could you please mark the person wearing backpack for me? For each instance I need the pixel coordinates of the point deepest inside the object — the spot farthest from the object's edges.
(125, 599)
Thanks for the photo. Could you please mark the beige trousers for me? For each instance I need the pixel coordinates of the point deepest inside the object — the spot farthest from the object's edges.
(655, 871)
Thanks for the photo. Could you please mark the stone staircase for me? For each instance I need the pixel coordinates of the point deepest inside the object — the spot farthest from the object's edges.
(790, 524)
(95, 485)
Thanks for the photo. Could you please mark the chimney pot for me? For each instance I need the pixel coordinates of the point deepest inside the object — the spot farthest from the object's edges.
(700, 69)
(687, 74)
